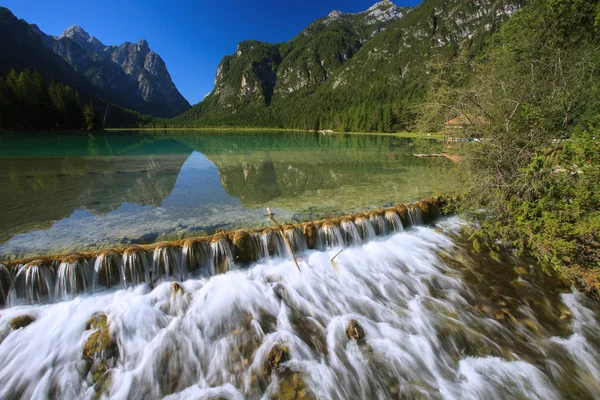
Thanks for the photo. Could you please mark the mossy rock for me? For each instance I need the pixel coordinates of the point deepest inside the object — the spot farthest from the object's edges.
(243, 247)
(426, 209)
(310, 233)
(355, 331)
(403, 213)
(20, 322)
(100, 352)
(97, 321)
(177, 289)
(278, 355)
(292, 386)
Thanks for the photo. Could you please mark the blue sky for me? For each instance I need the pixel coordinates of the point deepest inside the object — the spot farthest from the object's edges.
(190, 35)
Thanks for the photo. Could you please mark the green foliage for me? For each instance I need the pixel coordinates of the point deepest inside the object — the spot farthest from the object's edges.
(531, 99)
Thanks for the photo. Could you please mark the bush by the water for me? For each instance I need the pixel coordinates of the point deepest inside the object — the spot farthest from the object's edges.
(531, 100)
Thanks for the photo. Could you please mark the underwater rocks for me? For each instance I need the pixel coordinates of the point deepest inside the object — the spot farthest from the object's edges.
(278, 355)
(20, 322)
(100, 352)
(292, 386)
(355, 331)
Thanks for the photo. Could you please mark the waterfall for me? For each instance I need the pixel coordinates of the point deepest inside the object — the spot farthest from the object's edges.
(166, 262)
(5, 284)
(350, 232)
(34, 281)
(54, 278)
(107, 268)
(330, 235)
(404, 316)
(135, 267)
(378, 222)
(415, 215)
(74, 275)
(393, 220)
(365, 228)
(222, 256)
(295, 238)
(197, 254)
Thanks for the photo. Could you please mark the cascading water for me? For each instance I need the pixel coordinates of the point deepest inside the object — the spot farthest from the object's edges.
(34, 282)
(166, 261)
(135, 268)
(330, 235)
(295, 238)
(107, 268)
(365, 228)
(413, 315)
(5, 284)
(73, 276)
(222, 256)
(197, 254)
(379, 223)
(394, 222)
(350, 232)
(415, 215)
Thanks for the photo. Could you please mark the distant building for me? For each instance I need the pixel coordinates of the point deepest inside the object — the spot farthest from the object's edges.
(463, 128)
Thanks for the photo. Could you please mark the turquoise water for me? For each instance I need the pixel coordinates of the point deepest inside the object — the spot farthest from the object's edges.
(77, 191)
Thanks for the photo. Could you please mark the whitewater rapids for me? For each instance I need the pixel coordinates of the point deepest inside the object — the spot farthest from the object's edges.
(441, 322)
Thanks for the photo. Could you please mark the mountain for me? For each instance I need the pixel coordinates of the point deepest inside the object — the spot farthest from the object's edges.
(358, 71)
(131, 75)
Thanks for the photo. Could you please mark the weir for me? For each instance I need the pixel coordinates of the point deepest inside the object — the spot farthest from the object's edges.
(44, 279)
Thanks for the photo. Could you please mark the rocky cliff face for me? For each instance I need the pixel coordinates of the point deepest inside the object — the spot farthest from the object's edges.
(131, 72)
(259, 72)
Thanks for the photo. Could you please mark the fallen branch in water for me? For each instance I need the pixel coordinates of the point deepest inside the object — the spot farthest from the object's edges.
(285, 239)
(333, 260)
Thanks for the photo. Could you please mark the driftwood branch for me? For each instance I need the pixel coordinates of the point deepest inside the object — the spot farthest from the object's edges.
(333, 260)
(285, 239)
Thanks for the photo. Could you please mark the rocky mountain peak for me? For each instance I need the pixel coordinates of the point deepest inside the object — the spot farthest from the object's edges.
(82, 38)
(381, 4)
(75, 31)
(143, 44)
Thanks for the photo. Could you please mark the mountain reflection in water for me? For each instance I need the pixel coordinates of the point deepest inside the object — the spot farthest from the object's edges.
(66, 192)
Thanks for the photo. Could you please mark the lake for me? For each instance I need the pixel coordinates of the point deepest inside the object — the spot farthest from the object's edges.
(66, 192)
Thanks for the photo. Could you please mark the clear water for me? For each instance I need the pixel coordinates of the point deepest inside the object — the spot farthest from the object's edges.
(441, 322)
(63, 193)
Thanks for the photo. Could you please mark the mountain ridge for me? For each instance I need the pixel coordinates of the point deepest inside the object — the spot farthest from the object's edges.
(347, 71)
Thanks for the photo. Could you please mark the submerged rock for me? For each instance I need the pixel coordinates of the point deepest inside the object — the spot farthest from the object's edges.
(20, 322)
(100, 352)
(278, 355)
(292, 386)
(177, 289)
(355, 331)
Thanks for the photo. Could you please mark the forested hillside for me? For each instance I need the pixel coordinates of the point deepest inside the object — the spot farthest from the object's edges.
(348, 72)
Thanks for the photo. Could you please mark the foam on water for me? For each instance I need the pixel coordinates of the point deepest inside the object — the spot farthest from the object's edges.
(415, 293)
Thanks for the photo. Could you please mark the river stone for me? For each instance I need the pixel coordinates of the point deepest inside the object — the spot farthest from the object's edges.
(355, 331)
(100, 352)
(177, 289)
(278, 355)
(292, 386)
(20, 322)
(310, 233)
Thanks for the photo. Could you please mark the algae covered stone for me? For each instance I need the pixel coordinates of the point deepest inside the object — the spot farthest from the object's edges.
(355, 331)
(20, 322)
(278, 355)
(100, 352)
